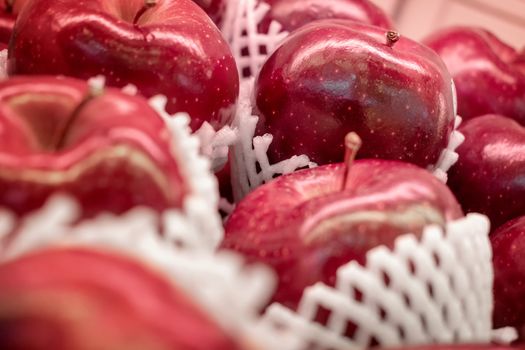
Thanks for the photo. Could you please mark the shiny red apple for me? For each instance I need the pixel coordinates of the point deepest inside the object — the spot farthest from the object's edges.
(489, 176)
(508, 245)
(307, 224)
(168, 47)
(77, 298)
(109, 150)
(214, 8)
(332, 77)
(292, 14)
(487, 73)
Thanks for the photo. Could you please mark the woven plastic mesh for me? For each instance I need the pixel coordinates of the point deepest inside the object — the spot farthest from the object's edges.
(240, 28)
(434, 290)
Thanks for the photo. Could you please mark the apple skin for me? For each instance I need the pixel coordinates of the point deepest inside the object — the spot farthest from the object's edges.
(114, 155)
(508, 245)
(305, 227)
(488, 177)
(214, 8)
(487, 73)
(333, 77)
(174, 50)
(77, 298)
(292, 14)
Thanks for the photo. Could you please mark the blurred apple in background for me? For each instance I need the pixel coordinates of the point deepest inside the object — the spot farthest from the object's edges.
(486, 71)
(77, 298)
(292, 14)
(489, 176)
(332, 77)
(307, 224)
(9, 10)
(111, 151)
(508, 244)
(168, 47)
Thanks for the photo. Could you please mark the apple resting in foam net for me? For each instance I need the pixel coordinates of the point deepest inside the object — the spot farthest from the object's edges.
(80, 298)
(307, 224)
(111, 151)
(292, 14)
(332, 77)
(168, 47)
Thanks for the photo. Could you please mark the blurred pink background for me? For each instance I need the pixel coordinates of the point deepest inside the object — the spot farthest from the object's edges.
(418, 18)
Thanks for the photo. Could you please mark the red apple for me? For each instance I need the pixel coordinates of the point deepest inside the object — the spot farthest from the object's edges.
(168, 47)
(487, 76)
(77, 298)
(214, 8)
(292, 14)
(332, 77)
(488, 178)
(110, 151)
(307, 224)
(508, 245)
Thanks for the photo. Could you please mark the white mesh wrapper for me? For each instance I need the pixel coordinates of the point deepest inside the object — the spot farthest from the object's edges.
(232, 293)
(251, 151)
(434, 290)
(249, 47)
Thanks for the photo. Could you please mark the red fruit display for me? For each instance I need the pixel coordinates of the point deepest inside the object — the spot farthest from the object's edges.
(109, 150)
(292, 14)
(333, 77)
(487, 73)
(307, 224)
(168, 47)
(508, 244)
(84, 299)
(488, 178)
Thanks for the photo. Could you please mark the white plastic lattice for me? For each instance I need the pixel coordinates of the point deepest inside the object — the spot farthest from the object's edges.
(251, 151)
(434, 290)
(240, 28)
(232, 293)
(215, 144)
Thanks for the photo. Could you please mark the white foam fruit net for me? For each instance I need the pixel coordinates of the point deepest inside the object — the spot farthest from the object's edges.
(437, 289)
(250, 165)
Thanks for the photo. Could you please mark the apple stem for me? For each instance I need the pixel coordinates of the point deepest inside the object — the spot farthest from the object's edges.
(352, 145)
(9, 6)
(92, 93)
(392, 37)
(147, 5)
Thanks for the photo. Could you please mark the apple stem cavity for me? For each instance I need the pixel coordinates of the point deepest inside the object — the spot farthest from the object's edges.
(392, 37)
(93, 92)
(352, 145)
(147, 5)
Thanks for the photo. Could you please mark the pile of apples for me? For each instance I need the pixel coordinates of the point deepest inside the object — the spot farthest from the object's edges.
(374, 109)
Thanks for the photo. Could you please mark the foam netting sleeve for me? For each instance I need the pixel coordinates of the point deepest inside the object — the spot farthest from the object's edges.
(436, 289)
(240, 28)
(232, 293)
(3, 64)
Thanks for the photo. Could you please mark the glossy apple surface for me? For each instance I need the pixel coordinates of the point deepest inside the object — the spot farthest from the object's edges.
(292, 14)
(110, 151)
(486, 71)
(333, 77)
(508, 245)
(214, 8)
(78, 298)
(305, 225)
(170, 48)
(488, 178)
